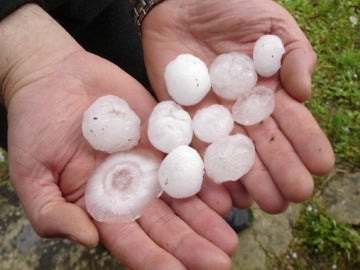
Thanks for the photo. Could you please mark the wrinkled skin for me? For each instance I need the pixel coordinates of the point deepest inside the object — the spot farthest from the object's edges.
(50, 161)
(290, 145)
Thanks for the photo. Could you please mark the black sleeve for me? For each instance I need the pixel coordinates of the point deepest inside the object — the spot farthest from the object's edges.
(9, 6)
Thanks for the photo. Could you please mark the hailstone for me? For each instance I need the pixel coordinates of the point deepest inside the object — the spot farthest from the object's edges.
(169, 126)
(212, 123)
(229, 158)
(181, 172)
(254, 107)
(187, 79)
(122, 186)
(267, 54)
(110, 125)
(232, 74)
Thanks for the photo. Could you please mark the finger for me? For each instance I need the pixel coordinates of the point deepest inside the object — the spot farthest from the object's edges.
(215, 196)
(240, 196)
(206, 223)
(132, 247)
(175, 236)
(302, 130)
(299, 60)
(286, 168)
(296, 73)
(262, 188)
(45, 207)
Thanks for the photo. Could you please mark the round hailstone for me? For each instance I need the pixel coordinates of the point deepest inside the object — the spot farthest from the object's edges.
(267, 54)
(110, 125)
(232, 74)
(254, 107)
(181, 172)
(212, 123)
(169, 126)
(187, 79)
(122, 186)
(229, 158)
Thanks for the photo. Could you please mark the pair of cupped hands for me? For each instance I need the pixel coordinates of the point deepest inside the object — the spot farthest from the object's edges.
(53, 81)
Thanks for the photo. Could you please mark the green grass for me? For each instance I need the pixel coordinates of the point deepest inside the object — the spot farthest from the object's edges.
(336, 88)
(321, 242)
(326, 243)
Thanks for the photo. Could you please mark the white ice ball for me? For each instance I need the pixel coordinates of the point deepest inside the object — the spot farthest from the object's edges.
(110, 125)
(169, 126)
(254, 107)
(212, 123)
(267, 54)
(187, 79)
(181, 172)
(232, 74)
(122, 186)
(229, 158)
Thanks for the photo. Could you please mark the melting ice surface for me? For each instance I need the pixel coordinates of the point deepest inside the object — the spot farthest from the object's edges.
(232, 74)
(254, 107)
(110, 125)
(212, 123)
(229, 158)
(122, 186)
(267, 54)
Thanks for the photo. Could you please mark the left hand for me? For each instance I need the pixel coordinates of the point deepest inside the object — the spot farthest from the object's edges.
(290, 145)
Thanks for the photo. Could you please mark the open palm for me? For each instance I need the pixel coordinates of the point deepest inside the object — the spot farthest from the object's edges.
(290, 145)
(50, 163)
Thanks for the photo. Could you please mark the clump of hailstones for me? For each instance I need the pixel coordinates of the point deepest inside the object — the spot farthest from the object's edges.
(254, 107)
(267, 54)
(187, 79)
(110, 125)
(169, 126)
(232, 74)
(181, 172)
(229, 158)
(212, 122)
(122, 186)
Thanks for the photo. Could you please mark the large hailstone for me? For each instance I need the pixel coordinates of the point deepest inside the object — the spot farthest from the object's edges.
(181, 172)
(187, 79)
(232, 74)
(110, 125)
(254, 107)
(169, 126)
(122, 186)
(267, 54)
(229, 158)
(212, 123)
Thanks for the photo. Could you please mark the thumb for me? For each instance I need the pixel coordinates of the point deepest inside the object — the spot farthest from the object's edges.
(62, 219)
(296, 72)
(49, 213)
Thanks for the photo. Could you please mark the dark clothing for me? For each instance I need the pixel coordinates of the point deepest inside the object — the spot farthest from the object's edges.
(103, 27)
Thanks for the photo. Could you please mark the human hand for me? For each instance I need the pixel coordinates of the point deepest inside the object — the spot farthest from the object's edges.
(46, 92)
(290, 145)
